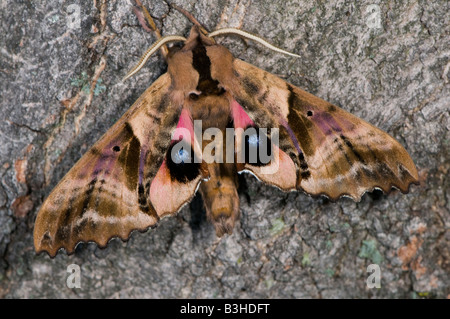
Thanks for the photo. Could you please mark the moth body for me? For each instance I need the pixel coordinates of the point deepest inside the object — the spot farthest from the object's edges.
(209, 103)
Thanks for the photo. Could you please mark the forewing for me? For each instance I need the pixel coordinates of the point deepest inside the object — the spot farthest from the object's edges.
(107, 193)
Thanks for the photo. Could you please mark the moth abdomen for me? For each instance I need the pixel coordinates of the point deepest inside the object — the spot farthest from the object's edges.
(220, 197)
(223, 222)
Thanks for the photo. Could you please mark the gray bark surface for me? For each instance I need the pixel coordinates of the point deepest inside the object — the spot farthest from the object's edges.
(61, 89)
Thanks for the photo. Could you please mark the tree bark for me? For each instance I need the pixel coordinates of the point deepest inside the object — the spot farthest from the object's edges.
(60, 85)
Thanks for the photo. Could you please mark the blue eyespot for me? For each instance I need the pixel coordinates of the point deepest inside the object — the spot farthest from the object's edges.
(253, 140)
(257, 148)
(181, 156)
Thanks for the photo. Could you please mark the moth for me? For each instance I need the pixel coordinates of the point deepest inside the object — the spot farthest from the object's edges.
(141, 171)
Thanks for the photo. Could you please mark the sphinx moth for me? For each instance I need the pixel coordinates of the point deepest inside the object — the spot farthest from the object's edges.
(140, 171)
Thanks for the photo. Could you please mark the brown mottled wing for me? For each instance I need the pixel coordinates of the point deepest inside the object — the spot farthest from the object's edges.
(335, 153)
(106, 194)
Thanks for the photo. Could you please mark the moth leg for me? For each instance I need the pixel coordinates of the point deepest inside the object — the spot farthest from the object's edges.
(151, 23)
(220, 197)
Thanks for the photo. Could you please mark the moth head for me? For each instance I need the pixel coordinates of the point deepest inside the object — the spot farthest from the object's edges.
(197, 36)
(200, 36)
(196, 69)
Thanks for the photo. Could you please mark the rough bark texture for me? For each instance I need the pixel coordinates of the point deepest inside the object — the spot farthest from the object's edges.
(60, 88)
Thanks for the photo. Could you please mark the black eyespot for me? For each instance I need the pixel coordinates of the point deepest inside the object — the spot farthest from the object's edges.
(116, 148)
(257, 147)
(182, 163)
(309, 113)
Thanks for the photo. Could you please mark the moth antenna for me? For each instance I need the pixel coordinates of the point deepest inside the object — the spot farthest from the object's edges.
(151, 50)
(250, 36)
(151, 23)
